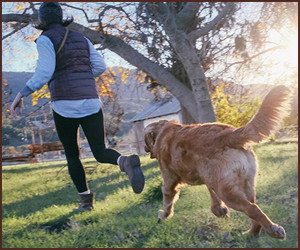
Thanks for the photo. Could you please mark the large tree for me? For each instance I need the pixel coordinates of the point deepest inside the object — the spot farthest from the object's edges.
(179, 46)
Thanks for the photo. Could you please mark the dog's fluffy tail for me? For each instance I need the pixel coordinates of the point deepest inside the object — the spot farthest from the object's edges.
(273, 109)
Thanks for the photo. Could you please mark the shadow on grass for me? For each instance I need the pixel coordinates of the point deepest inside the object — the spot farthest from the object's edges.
(58, 224)
(64, 196)
(68, 195)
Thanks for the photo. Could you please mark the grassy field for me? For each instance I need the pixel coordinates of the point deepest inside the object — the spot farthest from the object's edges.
(38, 199)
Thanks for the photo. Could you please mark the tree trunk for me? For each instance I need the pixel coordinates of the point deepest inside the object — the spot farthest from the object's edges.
(192, 65)
(186, 117)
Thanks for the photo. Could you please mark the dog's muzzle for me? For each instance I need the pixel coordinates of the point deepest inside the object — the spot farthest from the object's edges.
(147, 150)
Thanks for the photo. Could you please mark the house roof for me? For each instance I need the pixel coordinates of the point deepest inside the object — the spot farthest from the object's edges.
(156, 109)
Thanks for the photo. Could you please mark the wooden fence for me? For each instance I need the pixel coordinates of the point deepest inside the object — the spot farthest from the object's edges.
(34, 150)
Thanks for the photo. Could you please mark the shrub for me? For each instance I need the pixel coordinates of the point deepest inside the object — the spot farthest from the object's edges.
(236, 111)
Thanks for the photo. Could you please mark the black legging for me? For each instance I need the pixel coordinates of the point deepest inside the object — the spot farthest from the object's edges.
(93, 127)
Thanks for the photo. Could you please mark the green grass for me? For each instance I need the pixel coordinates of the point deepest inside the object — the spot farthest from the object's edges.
(38, 199)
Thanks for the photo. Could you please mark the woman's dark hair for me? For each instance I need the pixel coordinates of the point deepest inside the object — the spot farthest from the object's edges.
(42, 25)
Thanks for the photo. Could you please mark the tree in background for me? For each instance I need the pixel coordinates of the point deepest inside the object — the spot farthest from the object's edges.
(181, 45)
(111, 105)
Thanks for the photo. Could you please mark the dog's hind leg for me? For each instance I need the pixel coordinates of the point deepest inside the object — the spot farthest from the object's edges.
(236, 199)
(218, 207)
(170, 192)
(251, 196)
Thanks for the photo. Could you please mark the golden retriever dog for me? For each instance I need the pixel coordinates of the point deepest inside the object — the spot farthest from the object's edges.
(219, 156)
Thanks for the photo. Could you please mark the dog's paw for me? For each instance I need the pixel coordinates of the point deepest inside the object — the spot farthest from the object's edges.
(163, 215)
(220, 211)
(276, 231)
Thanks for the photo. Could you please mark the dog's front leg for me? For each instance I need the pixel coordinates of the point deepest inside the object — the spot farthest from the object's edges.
(170, 196)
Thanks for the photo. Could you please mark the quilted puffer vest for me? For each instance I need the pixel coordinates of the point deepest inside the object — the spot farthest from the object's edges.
(72, 78)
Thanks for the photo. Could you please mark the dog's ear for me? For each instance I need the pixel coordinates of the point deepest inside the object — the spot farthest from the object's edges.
(149, 142)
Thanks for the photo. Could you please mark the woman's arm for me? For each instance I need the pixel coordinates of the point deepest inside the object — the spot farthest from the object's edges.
(97, 63)
(45, 64)
(43, 73)
(17, 103)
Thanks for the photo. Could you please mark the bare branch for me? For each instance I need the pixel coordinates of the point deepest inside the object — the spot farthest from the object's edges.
(94, 36)
(21, 18)
(258, 54)
(184, 17)
(32, 6)
(158, 10)
(23, 25)
(115, 8)
(85, 14)
(194, 35)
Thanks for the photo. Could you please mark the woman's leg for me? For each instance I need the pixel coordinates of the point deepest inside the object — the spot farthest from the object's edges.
(67, 131)
(93, 127)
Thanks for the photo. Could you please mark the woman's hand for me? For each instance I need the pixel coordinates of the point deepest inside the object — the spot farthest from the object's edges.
(17, 103)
